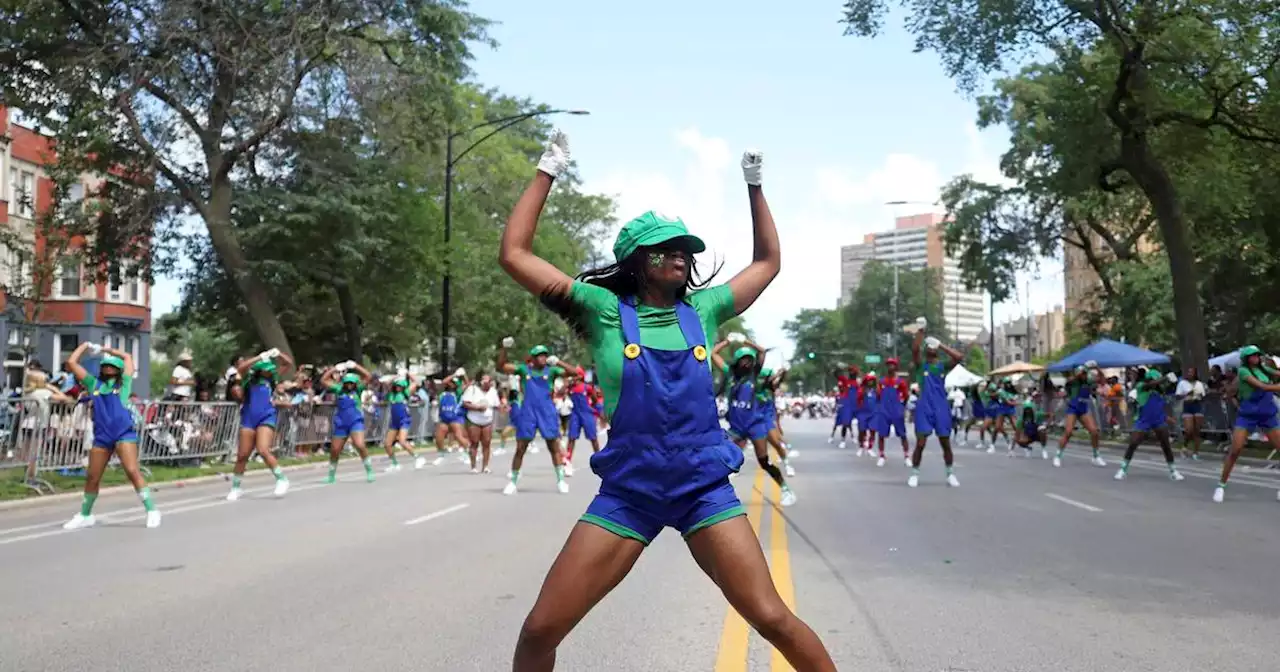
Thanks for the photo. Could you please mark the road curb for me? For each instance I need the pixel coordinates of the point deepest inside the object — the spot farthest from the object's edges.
(31, 502)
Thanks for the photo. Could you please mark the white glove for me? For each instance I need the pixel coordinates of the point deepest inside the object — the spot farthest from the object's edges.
(921, 323)
(555, 159)
(402, 372)
(932, 343)
(273, 353)
(95, 349)
(735, 337)
(1171, 377)
(553, 360)
(752, 166)
(350, 364)
(1091, 364)
(460, 373)
(508, 342)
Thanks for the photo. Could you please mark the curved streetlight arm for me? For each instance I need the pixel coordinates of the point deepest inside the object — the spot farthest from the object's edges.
(502, 125)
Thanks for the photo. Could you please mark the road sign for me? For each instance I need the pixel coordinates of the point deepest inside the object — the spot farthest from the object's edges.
(871, 359)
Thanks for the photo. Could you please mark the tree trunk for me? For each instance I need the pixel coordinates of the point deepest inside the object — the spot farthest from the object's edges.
(225, 243)
(351, 320)
(1155, 182)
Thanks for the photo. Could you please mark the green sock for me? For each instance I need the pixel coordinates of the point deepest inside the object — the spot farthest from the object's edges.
(278, 473)
(1221, 484)
(145, 495)
(950, 470)
(333, 468)
(86, 504)
(515, 475)
(1061, 452)
(394, 462)
(915, 471)
(235, 481)
(1172, 468)
(559, 474)
(368, 463)
(1095, 452)
(1125, 467)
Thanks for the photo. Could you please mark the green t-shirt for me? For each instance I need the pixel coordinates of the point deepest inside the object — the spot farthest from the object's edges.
(1244, 389)
(90, 383)
(394, 397)
(659, 329)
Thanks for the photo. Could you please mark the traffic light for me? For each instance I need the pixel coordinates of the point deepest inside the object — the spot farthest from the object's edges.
(811, 355)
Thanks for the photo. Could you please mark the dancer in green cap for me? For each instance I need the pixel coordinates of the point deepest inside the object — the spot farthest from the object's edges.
(1259, 381)
(537, 411)
(260, 381)
(647, 320)
(347, 380)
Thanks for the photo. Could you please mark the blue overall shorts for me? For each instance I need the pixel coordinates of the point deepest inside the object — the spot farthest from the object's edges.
(848, 408)
(450, 412)
(400, 419)
(769, 411)
(975, 404)
(1078, 403)
(1151, 413)
(349, 419)
(890, 413)
(582, 420)
(933, 413)
(1257, 407)
(256, 410)
(112, 421)
(667, 462)
(746, 421)
(538, 413)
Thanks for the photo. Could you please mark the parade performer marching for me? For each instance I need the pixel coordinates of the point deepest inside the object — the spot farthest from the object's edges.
(747, 422)
(347, 382)
(538, 413)
(258, 380)
(667, 462)
(933, 412)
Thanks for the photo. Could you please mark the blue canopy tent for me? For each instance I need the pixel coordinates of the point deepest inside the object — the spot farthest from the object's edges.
(1110, 354)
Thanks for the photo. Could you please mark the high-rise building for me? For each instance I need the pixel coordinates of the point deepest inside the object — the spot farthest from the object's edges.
(915, 242)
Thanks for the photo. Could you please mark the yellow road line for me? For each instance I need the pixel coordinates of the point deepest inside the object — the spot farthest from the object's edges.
(735, 637)
(780, 566)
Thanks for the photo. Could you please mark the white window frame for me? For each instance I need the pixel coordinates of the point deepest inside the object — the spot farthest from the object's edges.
(58, 355)
(22, 192)
(129, 290)
(134, 343)
(64, 268)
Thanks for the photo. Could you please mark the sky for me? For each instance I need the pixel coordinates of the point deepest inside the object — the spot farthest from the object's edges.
(678, 90)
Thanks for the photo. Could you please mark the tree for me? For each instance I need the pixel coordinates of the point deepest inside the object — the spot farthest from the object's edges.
(976, 360)
(873, 325)
(211, 347)
(1155, 74)
(735, 324)
(190, 91)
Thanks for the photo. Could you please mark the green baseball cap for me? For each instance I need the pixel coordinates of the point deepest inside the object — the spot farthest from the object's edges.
(400, 383)
(268, 366)
(350, 378)
(652, 228)
(112, 360)
(1152, 374)
(1250, 350)
(766, 372)
(744, 351)
(539, 350)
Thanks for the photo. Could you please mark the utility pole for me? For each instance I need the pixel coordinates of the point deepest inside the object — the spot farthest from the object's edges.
(897, 324)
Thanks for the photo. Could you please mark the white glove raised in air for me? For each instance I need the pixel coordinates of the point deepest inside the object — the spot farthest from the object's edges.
(402, 372)
(735, 337)
(555, 159)
(753, 166)
(1091, 364)
(553, 360)
(94, 348)
(932, 343)
(460, 373)
(508, 342)
(1171, 377)
(921, 323)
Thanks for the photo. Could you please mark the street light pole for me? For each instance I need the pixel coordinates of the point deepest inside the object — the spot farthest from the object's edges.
(450, 162)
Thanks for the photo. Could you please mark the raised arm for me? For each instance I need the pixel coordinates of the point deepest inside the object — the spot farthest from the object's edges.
(766, 259)
(501, 363)
(515, 255)
(716, 359)
(73, 362)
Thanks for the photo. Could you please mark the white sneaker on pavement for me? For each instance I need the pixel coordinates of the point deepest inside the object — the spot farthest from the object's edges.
(153, 519)
(913, 481)
(78, 521)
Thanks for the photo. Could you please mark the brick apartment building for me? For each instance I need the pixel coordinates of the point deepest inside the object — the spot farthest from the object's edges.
(77, 308)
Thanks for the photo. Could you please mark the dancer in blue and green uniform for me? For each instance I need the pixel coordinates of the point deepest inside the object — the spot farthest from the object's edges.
(1005, 400)
(1031, 427)
(1258, 381)
(933, 411)
(114, 430)
(538, 415)
(400, 421)
(1079, 389)
(259, 381)
(451, 417)
(667, 461)
(1152, 417)
(347, 381)
(770, 381)
(747, 421)
(978, 414)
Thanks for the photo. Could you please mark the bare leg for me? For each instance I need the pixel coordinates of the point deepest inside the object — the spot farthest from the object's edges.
(592, 562)
(729, 552)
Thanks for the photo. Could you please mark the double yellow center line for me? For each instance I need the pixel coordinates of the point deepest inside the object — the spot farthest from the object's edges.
(735, 638)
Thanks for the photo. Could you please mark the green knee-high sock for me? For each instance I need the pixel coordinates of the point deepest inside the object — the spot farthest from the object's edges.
(235, 481)
(145, 495)
(278, 473)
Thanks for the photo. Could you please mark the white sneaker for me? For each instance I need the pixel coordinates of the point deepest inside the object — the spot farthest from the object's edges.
(562, 487)
(860, 453)
(534, 449)
(153, 519)
(1099, 462)
(1175, 475)
(913, 481)
(1044, 454)
(792, 452)
(789, 470)
(1218, 493)
(568, 469)
(788, 497)
(391, 468)
(420, 463)
(499, 451)
(475, 470)
(880, 462)
(282, 486)
(907, 461)
(991, 448)
(1057, 461)
(1120, 475)
(487, 470)
(510, 489)
(234, 495)
(79, 521)
(952, 481)
(438, 461)
(831, 440)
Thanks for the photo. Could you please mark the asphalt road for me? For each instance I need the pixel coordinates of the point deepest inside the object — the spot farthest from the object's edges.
(1022, 568)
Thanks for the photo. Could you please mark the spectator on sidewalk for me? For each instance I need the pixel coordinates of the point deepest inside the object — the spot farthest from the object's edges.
(182, 381)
